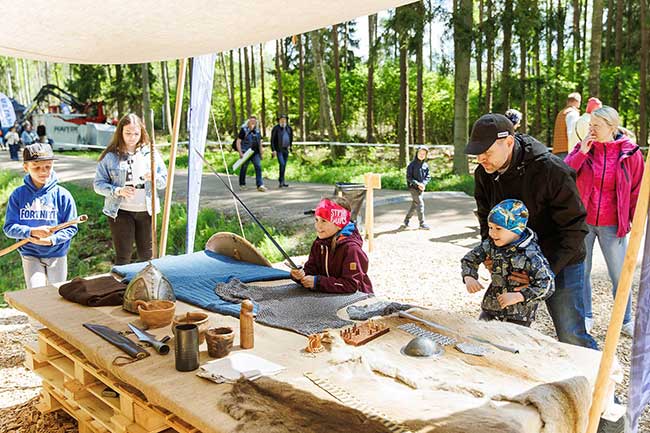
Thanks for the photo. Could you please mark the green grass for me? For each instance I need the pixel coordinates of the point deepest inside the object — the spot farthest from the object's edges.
(92, 249)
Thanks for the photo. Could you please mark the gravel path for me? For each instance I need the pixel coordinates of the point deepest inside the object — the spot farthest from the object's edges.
(413, 266)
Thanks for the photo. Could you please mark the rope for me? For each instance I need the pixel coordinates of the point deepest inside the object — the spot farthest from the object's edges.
(225, 164)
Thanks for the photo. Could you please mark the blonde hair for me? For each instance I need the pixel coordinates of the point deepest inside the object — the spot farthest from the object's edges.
(610, 116)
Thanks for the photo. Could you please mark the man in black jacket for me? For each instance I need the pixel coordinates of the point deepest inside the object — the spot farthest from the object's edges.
(281, 141)
(516, 166)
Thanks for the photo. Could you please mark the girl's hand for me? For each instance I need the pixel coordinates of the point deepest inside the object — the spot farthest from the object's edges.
(147, 176)
(297, 274)
(586, 143)
(308, 281)
(473, 285)
(507, 299)
(126, 192)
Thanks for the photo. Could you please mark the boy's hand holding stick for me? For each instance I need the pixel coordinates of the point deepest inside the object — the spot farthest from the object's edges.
(39, 235)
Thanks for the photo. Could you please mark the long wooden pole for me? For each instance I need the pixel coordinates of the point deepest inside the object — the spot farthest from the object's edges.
(154, 195)
(180, 87)
(620, 302)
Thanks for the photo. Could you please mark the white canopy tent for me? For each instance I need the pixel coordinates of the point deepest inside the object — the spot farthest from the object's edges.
(119, 31)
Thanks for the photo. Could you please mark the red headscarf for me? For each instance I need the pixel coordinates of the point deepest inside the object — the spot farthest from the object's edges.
(332, 212)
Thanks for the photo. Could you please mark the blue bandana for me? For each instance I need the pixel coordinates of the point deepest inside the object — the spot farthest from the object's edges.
(511, 215)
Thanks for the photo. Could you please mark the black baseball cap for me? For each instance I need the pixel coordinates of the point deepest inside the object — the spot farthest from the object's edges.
(487, 129)
(38, 152)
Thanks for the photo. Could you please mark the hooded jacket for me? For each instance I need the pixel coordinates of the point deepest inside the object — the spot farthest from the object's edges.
(522, 255)
(547, 187)
(618, 203)
(341, 266)
(31, 207)
(417, 173)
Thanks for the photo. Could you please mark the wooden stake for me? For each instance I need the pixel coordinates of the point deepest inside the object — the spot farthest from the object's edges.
(180, 87)
(154, 197)
(620, 302)
(372, 182)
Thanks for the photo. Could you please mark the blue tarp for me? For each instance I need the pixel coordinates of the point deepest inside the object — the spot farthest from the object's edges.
(194, 277)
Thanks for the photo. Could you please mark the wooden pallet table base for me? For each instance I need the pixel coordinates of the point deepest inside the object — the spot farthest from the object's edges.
(73, 384)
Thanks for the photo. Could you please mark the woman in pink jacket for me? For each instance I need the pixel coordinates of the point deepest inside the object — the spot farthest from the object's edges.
(609, 167)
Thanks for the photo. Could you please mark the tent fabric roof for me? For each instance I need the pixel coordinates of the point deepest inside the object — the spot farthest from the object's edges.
(139, 31)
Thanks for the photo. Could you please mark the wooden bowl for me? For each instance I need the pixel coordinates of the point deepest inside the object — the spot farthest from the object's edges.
(156, 314)
(198, 318)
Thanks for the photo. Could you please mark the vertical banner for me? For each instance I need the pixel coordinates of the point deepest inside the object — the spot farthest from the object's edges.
(7, 113)
(200, 103)
(639, 388)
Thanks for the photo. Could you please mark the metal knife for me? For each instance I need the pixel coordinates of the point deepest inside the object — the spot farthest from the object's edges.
(144, 336)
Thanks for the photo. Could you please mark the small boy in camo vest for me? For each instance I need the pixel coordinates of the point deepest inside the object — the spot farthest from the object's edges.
(511, 247)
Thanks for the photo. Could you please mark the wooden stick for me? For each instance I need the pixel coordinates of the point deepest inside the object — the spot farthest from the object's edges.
(180, 87)
(620, 302)
(80, 219)
(154, 197)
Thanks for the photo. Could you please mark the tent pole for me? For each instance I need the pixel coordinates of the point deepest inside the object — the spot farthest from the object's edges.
(620, 302)
(172, 156)
(152, 165)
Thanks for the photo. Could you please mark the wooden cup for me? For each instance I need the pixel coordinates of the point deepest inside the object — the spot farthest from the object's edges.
(219, 341)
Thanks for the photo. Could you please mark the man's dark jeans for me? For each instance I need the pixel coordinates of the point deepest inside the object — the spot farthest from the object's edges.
(257, 163)
(566, 307)
(283, 158)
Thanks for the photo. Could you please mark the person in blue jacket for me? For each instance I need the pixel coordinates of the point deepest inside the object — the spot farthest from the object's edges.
(417, 178)
(33, 209)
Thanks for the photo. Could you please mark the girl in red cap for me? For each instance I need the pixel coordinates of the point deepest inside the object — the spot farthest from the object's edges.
(336, 263)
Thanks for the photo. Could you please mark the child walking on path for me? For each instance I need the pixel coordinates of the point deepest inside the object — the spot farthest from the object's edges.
(511, 247)
(32, 210)
(417, 178)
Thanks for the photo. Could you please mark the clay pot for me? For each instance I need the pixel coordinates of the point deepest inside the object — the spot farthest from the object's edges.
(156, 314)
(219, 341)
(201, 320)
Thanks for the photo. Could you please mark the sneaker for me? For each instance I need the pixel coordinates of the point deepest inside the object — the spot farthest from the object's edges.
(242, 187)
(284, 185)
(589, 324)
(628, 329)
(403, 227)
(423, 226)
(261, 188)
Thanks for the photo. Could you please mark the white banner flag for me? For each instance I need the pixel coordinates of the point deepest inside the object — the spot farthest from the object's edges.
(7, 113)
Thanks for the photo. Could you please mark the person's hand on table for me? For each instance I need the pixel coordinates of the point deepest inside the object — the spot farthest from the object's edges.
(308, 281)
(507, 299)
(473, 285)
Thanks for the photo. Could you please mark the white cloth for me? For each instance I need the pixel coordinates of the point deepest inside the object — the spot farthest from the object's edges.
(236, 366)
(40, 272)
(12, 138)
(582, 126)
(571, 119)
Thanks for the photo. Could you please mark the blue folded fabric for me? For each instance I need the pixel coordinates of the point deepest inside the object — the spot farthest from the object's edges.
(194, 277)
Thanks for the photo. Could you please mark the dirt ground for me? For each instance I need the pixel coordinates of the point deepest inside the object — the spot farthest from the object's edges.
(413, 266)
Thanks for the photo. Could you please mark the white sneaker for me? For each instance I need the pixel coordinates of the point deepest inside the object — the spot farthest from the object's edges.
(261, 188)
(628, 329)
(589, 324)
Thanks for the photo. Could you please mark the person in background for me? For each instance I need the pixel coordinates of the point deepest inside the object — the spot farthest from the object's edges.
(281, 142)
(582, 124)
(42, 135)
(28, 136)
(564, 136)
(515, 117)
(249, 138)
(417, 178)
(123, 177)
(13, 142)
(33, 209)
(610, 168)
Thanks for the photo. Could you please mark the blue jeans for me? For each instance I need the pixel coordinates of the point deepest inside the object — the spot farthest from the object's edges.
(566, 307)
(13, 151)
(257, 163)
(283, 158)
(613, 249)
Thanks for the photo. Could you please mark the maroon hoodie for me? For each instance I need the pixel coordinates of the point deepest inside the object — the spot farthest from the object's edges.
(343, 270)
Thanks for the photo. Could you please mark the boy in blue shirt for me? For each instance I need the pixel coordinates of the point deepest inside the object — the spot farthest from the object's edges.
(32, 210)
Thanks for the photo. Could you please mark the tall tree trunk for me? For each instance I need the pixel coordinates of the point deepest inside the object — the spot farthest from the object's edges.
(644, 73)
(247, 83)
(253, 78)
(231, 66)
(507, 48)
(618, 55)
(561, 19)
(576, 39)
(146, 99)
(596, 45)
(28, 89)
(119, 94)
(489, 42)
(419, 85)
(10, 87)
(301, 90)
(522, 83)
(584, 36)
(430, 12)
(262, 73)
(462, 54)
(167, 102)
(20, 89)
(606, 55)
(403, 114)
(278, 75)
(478, 43)
(549, 75)
(231, 96)
(538, 86)
(338, 116)
(325, 105)
(370, 106)
(241, 88)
